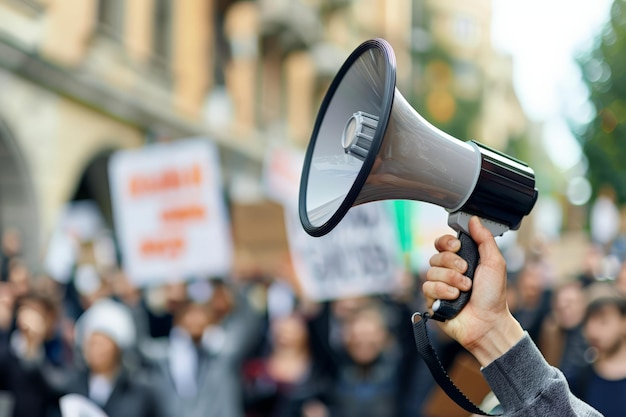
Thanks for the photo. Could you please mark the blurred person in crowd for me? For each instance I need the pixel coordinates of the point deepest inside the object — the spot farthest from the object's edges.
(592, 265)
(161, 304)
(602, 383)
(326, 322)
(60, 344)
(124, 291)
(532, 303)
(343, 309)
(25, 371)
(11, 248)
(329, 320)
(58, 348)
(326, 325)
(19, 276)
(368, 379)
(562, 341)
(7, 310)
(284, 382)
(105, 332)
(197, 367)
(87, 286)
(521, 379)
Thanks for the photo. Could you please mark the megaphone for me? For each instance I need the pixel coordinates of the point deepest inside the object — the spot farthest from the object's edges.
(369, 144)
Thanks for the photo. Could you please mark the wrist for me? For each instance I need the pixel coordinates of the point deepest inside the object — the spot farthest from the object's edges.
(497, 341)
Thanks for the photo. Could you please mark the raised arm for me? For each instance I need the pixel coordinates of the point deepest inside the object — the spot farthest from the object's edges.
(523, 381)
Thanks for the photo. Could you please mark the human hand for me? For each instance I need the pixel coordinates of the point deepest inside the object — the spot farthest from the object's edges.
(485, 326)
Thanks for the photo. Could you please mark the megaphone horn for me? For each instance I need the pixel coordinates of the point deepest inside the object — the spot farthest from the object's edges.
(369, 144)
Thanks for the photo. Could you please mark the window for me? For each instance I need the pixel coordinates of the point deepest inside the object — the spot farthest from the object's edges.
(111, 18)
(162, 31)
(466, 31)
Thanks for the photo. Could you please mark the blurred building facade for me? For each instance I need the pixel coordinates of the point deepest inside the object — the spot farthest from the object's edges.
(83, 78)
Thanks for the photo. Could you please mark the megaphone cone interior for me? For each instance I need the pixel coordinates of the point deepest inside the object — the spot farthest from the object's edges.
(369, 144)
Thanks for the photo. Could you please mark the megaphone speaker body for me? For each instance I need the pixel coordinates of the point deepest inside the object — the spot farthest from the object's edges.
(369, 144)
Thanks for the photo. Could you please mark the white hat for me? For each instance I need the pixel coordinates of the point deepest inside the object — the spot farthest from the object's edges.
(110, 318)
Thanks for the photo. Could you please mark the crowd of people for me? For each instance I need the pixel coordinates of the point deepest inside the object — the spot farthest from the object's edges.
(253, 346)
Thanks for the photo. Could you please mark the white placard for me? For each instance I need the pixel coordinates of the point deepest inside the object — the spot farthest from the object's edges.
(169, 212)
(76, 405)
(281, 179)
(80, 221)
(360, 256)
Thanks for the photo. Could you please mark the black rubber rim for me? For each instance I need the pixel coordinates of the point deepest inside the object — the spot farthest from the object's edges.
(386, 105)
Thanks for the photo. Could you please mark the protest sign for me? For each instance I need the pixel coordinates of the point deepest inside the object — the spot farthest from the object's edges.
(170, 217)
(80, 224)
(360, 256)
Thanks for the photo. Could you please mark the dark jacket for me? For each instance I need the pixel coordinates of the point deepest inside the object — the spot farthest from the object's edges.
(27, 382)
(219, 391)
(128, 398)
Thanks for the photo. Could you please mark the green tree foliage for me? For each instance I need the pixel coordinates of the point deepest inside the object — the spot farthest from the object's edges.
(603, 139)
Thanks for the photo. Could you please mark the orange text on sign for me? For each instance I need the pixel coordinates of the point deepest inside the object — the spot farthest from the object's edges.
(184, 214)
(170, 179)
(162, 247)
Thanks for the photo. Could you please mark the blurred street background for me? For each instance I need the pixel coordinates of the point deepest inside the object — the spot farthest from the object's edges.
(150, 158)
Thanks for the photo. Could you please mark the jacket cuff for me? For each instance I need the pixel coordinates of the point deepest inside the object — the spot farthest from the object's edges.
(519, 375)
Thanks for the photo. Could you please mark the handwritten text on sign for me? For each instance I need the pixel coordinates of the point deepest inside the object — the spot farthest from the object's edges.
(360, 256)
(169, 214)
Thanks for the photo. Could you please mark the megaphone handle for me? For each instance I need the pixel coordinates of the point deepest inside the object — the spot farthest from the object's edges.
(444, 309)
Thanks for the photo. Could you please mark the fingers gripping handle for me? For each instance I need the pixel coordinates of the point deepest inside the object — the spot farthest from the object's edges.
(447, 309)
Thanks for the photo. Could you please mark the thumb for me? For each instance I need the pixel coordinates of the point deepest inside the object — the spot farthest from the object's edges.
(487, 247)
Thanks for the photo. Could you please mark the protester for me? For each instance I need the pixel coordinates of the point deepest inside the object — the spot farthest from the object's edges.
(105, 331)
(25, 371)
(524, 383)
(603, 382)
(284, 382)
(368, 377)
(7, 308)
(10, 248)
(592, 265)
(196, 368)
(19, 276)
(343, 357)
(533, 299)
(161, 303)
(561, 341)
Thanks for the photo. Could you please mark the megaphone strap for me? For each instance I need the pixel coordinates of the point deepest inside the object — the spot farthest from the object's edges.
(428, 353)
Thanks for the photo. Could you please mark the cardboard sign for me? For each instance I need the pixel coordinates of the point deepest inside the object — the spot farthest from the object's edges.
(170, 216)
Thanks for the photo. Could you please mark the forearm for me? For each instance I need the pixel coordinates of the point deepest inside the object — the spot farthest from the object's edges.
(526, 385)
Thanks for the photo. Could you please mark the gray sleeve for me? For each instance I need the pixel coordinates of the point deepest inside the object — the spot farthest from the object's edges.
(526, 385)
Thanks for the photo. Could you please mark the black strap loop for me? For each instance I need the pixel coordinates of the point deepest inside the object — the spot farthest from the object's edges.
(427, 352)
